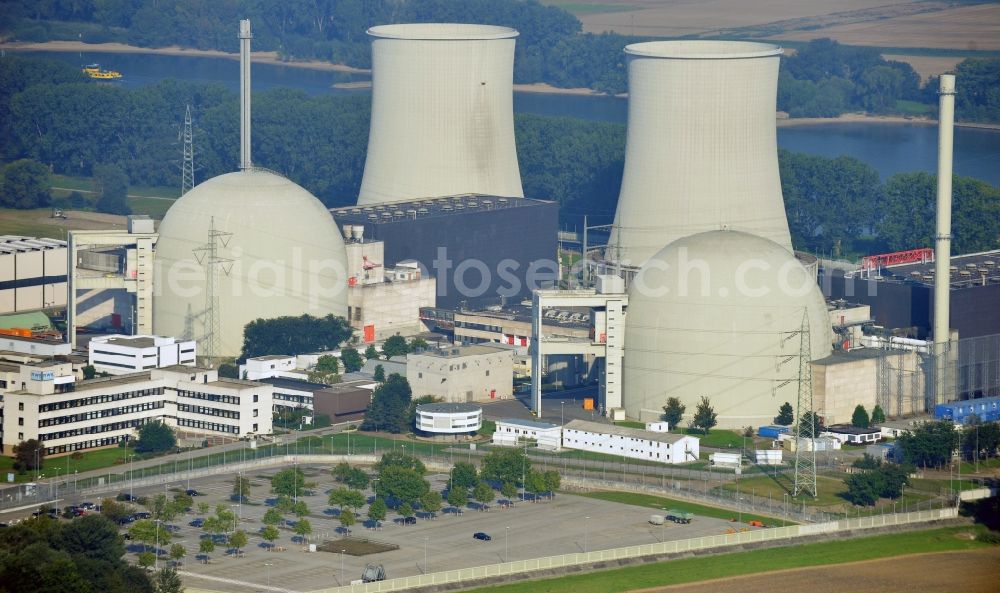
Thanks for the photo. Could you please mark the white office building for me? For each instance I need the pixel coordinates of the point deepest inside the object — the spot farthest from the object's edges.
(632, 443)
(120, 355)
(512, 432)
(449, 419)
(462, 373)
(272, 365)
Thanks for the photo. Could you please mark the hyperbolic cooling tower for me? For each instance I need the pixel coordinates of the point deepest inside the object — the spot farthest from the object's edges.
(442, 118)
(701, 152)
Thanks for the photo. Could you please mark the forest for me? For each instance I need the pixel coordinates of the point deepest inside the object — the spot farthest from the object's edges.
(819, 79)
(54, 116)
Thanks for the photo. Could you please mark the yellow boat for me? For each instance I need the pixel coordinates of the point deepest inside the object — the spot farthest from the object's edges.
(95, 71)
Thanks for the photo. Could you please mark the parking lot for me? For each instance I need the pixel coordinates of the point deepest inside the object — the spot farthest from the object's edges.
(562, 525)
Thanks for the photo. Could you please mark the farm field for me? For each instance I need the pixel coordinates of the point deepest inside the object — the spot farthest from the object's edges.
(927, 66)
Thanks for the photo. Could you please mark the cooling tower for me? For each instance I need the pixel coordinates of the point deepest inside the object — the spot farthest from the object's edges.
(442, 120)
(701, 153)
(719, 314)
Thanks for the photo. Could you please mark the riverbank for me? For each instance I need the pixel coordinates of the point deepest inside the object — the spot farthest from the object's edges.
(848, 118)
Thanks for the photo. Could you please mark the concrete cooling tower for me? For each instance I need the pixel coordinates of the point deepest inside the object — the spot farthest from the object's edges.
(282, 250)
(701, 153)
(718, 314)
(442, 120)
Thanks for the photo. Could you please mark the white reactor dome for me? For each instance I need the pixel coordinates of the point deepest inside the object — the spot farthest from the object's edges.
(719, 314)
(279, 253)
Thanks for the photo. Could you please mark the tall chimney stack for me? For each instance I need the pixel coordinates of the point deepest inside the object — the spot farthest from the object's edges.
(942, 238)
(245, 36)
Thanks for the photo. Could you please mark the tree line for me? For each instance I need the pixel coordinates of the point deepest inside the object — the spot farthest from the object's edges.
(821, 79)
(76, 127)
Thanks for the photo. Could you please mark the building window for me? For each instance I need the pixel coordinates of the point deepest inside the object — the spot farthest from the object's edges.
(255, 396)
(20, 436)
(487, 372)
(255, 428)
(20, 406)
(420, 375)
(20, 421)
(255, 412)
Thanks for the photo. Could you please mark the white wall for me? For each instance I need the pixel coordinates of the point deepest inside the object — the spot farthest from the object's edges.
(632, 448)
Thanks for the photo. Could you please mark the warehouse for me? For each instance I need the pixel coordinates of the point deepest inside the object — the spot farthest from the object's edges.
(32, 273)
(462, 373)
(633, 443)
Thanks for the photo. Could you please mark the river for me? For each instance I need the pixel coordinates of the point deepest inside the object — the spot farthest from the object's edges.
(889, 147)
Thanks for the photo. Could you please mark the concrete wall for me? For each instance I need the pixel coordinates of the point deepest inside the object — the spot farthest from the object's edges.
(469, 378)
(391, 307)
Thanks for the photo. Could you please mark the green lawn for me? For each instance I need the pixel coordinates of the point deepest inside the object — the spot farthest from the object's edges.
(631, 424)
(719, 439)
(690, 570)
(489, 427)
(913, 108)
(660, 503)
(90, 460)
(778, 485)
(592, 456)
(25, 222)
(581, 8)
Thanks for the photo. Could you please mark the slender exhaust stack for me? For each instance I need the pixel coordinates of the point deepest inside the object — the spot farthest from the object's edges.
(942, 239)
(442, 120)
(702, 150)
(245, 36)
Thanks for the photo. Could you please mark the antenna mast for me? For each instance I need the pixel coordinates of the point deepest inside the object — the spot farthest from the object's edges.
(187, 167)
(245, 36)
(805, 461)
(208, 255)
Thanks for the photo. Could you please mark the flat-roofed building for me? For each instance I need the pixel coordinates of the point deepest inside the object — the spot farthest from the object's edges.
(32, 273)
(120, 355)
(513, 432)
(449, 418)
(633, 443)
(462, 373)
(344, 402)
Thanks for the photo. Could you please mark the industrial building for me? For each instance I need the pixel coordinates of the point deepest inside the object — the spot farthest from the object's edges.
(32, 273)
(514, 432)
(462, 373)
(45, 400)
(853, 435)
(271, 365)
(344, 401)
(293, 394)
(451, 419)
(442, 118)
(121, 355)
(42, 339)
(632, 443)
(985, 409)
(482, 249)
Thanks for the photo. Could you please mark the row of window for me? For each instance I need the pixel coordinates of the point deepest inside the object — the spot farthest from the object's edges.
(106, 441)
(213, 426)
(213, 397)
(99, 399)
(93, 429)
(104, 413)
(145, 367)
(206, 411)
(299, 399)
(479, 326)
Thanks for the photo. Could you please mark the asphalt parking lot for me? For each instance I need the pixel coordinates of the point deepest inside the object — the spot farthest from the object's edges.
(562, 525)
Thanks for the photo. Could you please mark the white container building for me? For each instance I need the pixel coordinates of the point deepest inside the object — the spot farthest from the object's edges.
(511, 432)
(632, 443)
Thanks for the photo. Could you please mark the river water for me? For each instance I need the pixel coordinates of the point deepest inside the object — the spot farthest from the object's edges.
(889, 147)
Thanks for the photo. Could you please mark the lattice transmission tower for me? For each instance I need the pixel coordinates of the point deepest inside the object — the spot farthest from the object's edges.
(187, 166)
(208, 256)
(805, 424)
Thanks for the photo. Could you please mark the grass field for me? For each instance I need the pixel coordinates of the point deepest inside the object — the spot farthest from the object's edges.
(660, 503)
(91, 460)
(719, 439)
(830, 489)
(690, 570)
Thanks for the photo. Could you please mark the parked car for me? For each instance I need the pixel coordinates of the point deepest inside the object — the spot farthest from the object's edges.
(126, 497)
(141, 515)
(88, 506)
(197, 522)
(482, 536)
(192, 492)
(409, 520)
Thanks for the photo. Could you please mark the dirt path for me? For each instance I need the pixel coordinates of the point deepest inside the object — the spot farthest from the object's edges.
(975, 571)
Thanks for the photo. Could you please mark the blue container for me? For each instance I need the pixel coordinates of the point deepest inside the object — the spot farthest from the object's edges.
(987, 409)
(772, 432)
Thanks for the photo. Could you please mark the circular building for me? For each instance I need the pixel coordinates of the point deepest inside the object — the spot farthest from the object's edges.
(719, 314)
(449, 419)
(278, 252)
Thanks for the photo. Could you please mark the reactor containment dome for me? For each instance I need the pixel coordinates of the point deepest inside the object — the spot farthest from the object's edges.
(719, 314)
(278, 253)
(442, 120)
(702, 152)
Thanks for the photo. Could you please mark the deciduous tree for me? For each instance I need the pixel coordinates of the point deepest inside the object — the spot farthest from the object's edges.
(155, 437)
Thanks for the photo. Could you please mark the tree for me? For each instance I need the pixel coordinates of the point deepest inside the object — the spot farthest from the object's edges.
(111, 184)
(377, 510)
(878, 416)
(272, 517)
(303, 528)
(395, 346)
(177, 552)
(860, 417)
(89, 372)
(464, 475)
(704, 415)
(417, 344)
(203, 508)
(93, 536)
(300, 509)
(238, 540)
(25, 185)
(345, 497)
(389, 407)
(401, 483)
(673, 412)
(241, 487)
(458, 497)
(400, 459)
(168, 581)
(508, 490)
(405, 510)
(786, 415)
(147, 532)
(552, 481)
(379, 374)
(929, 444)
(269, 534)
(294, 335)
(371, 353)
(155, 437)
(327, 370)
(867, 462)
(813, 421)
(431, 502)
(482, 494)
(535, 484)
(207, 546)
(347, 519)
(351, 359)
(290, 482)
(146, 559)
(863, 488)
(29, 455)
(352, 477)
(505, 465)
(114, 510)
(182, 502)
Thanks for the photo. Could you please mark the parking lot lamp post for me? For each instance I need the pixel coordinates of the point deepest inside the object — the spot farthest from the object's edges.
(506, 535)
(562, 417)
(156, 558)
(233, 506)
(425, 555)
(586, 534)
(342, 562)
(267, 569)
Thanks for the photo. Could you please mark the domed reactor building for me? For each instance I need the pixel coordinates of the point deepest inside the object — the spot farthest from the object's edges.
(717, 298)
(245, 246)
